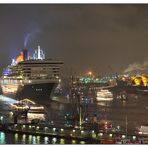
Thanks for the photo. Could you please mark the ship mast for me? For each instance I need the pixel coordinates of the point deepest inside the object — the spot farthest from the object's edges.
(39, 55)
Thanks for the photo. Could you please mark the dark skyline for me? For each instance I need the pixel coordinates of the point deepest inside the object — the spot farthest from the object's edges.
(102, 38)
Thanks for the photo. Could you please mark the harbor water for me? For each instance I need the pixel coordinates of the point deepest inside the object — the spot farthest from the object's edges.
(135, 109)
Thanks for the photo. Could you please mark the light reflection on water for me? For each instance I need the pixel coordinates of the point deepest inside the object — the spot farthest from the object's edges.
(24, 138)
(62, 141)
(10, 138)
(74, 142)
(46, 140)
(54, 140)
(7, 100)
(114, 111)
(38, 140)
(82, 142)
(34, 140)
(2, 138)
(30, 139)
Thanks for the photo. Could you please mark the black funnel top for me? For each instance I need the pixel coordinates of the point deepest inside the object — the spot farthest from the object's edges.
(25, 54)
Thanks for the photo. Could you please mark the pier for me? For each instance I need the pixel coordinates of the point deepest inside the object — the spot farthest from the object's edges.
(102, 137)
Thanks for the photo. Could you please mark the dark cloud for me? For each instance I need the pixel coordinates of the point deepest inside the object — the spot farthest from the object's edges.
(84, 36)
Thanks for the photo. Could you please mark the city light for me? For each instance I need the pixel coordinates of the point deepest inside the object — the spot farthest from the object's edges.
(123, 136)
(1, 118)
(93, 132)
(62, 129)
(134, 137)
(90, 73)
(54, 129)
(37, 128)
(45, 128)
(98, 94)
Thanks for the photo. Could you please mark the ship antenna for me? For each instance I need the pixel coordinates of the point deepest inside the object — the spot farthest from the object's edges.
(39, 53)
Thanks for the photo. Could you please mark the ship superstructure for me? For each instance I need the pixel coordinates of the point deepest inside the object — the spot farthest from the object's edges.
(31, 77)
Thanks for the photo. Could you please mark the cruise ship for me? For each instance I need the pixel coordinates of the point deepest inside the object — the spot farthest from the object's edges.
(33, 78)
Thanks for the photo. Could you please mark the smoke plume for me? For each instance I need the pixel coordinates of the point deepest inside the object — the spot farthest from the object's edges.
(27, 37)
(31, 35)
(137, 67)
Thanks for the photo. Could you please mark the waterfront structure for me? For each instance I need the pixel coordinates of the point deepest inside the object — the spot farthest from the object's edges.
(31, 77)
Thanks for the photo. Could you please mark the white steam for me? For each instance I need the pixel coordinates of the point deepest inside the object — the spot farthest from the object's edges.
(137, 67)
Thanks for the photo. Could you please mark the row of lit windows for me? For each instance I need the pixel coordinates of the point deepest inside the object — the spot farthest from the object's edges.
(49, 68)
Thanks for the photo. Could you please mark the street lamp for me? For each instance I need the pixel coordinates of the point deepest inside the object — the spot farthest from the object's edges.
(1, 119)
(89, 73)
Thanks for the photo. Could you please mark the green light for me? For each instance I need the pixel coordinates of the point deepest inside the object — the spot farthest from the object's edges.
(38, 139)
(16, 136)
(73, 141)
(24, 138)
(94, 135)
(2, 138)
(30, 139)
(82, 142)
(62, 141)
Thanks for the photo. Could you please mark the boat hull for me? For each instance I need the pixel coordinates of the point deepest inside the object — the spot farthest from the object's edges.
(39, 93)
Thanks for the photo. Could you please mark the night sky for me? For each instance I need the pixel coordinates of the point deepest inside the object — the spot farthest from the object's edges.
(102, 38)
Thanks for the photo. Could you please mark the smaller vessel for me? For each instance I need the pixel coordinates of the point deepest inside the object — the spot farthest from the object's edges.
(27, 105)
(142, 130)
(104, 95)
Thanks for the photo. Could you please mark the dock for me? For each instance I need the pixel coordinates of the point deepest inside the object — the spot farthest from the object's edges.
(68, 133)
